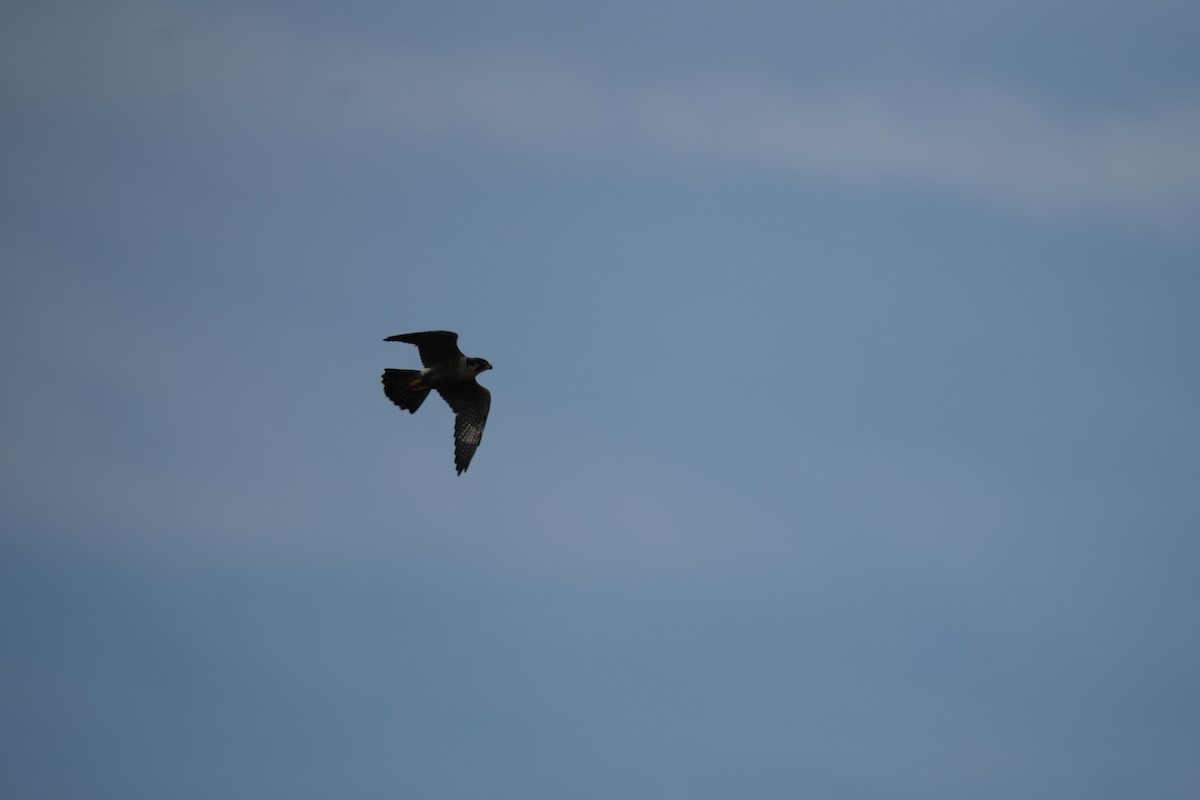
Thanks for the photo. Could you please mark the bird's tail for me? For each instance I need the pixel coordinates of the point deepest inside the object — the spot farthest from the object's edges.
(402, 386)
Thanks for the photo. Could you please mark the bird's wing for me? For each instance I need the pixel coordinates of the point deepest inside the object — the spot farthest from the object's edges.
(470, 403)
(434, 346)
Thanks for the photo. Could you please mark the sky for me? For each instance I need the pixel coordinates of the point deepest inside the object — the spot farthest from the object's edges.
(845, 431)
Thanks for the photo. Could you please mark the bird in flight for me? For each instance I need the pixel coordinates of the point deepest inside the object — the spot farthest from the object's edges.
(452, 375)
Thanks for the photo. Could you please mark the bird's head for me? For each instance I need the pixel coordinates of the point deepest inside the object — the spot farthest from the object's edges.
(479, 365)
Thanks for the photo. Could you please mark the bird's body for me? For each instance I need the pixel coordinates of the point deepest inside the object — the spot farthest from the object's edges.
(452, 375)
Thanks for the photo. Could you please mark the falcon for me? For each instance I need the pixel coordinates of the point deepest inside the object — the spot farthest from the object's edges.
(450, 374)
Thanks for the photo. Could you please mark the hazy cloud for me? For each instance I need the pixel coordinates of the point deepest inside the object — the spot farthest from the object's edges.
(924, 129)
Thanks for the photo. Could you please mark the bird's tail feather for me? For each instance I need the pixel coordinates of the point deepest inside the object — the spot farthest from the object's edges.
(402, 388)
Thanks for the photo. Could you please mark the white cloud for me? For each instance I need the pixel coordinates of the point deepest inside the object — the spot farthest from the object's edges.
(971, 138)
(974, 138)
(248, 71)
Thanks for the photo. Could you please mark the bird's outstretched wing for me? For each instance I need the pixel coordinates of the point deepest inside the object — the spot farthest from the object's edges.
(470, 403)
(435, 347)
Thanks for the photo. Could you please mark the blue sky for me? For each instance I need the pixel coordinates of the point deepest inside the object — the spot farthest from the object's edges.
(845, 426)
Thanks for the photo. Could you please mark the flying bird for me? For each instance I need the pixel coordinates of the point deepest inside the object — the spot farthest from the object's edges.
(450, 374)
